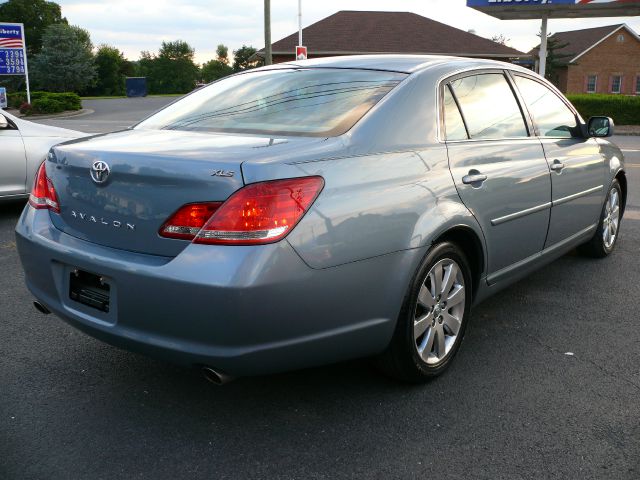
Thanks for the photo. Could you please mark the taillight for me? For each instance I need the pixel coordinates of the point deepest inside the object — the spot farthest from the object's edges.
(258, 213)
(188, 220)
(43, 194)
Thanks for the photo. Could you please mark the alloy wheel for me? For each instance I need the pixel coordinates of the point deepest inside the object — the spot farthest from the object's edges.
(611, 220)
(439, 311)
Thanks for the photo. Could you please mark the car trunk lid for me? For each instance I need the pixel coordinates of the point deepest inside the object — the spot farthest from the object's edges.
(151, 174)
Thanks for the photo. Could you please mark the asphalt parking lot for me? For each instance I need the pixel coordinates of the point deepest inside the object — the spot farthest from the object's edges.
(111, 114)
(546, 386)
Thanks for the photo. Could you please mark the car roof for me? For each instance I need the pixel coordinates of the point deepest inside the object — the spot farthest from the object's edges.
(400, 63)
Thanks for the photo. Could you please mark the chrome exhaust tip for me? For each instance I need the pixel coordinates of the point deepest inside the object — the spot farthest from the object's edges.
(41, 308)
(216, 377)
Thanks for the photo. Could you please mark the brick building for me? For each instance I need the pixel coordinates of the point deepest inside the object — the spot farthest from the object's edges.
(598, 60)
(366, 32)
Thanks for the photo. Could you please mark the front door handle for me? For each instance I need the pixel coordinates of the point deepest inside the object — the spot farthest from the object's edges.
(557, 166)
(474, 178)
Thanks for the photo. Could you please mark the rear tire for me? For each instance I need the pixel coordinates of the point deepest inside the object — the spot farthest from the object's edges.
(433, 318)
(606, 235)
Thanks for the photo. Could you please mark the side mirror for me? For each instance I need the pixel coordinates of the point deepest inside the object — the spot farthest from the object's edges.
(4, 123)
(601, 127)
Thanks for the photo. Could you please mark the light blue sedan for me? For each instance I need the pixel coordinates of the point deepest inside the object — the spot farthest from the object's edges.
(317, 211)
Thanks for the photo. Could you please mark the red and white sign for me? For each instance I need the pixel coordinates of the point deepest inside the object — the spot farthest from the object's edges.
(301, 53)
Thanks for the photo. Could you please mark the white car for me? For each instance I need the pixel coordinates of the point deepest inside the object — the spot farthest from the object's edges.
(23, 147)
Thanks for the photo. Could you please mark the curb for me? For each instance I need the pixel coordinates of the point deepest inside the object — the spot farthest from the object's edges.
(78, 113)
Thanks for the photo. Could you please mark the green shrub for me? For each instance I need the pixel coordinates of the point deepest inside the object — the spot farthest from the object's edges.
(623, 109)
(46, 105)
(45, 102)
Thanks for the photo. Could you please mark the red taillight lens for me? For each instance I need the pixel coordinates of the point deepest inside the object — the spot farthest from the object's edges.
(261, 212)
(187, 222)
(43, 194)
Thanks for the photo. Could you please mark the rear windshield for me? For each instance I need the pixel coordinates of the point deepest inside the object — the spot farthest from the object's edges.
(306, 102)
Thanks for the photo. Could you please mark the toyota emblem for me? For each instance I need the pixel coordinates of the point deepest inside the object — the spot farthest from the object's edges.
(100, 171)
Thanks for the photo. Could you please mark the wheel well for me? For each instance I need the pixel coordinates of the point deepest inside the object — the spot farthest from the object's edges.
(468, 241)
(622, 180)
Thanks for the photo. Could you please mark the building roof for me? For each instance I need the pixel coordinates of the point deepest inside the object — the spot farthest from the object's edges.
(361, 32)
(578, 42)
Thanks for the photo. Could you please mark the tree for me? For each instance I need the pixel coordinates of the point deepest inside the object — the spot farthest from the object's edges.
(242, 58)
(214, 69)
(222, 54)
(501, 39)
(172, 70)
(65, 63)
(36, 15)
(555, 59)
(217, 68)
(111, 67)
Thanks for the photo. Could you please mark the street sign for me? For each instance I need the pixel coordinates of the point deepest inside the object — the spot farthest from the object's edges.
(3, 97)
(301, 53)
(13, 52)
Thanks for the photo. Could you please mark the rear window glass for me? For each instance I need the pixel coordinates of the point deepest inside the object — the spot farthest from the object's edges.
(306, 102)
(489, 107)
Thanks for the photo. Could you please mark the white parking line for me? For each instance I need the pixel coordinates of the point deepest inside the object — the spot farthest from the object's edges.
(628, 151)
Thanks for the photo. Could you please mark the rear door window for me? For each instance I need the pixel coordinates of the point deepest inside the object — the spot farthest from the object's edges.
(489, 106)
(550, 113)
(454, 125)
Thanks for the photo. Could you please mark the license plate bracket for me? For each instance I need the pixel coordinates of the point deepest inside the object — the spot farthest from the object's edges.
(90, 290)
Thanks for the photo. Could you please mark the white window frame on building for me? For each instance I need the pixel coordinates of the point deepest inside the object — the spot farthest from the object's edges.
(593, 77)
(613, 84)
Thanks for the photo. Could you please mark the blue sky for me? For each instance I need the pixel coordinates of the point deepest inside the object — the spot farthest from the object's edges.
(136, 25)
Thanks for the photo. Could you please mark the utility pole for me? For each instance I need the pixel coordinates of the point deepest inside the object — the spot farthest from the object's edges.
(268, 60)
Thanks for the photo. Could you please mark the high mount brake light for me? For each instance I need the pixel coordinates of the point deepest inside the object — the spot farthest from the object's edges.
(43, 194)
(258, 213)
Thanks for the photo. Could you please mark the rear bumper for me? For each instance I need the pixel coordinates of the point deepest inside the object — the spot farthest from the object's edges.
(244, 310)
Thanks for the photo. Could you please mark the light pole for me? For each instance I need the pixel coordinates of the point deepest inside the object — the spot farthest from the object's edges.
(300, 22)
(268, 60)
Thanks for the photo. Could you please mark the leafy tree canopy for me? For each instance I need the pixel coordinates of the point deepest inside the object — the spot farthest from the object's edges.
(215, 69)
(172, 70)
(241, 58)
(112, 68)
(36, 15)
(222, 54)
(65, 63)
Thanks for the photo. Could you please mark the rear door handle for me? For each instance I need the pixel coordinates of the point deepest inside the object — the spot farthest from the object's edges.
(557, 166)
(474, 178)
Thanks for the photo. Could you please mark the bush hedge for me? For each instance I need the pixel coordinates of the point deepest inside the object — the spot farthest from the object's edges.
(44, 102)
(623, 109)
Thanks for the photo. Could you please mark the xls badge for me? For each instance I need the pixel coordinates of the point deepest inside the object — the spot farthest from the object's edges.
(100, 171)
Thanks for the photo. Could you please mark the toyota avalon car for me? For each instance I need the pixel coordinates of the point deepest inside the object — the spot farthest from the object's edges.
(317, 211)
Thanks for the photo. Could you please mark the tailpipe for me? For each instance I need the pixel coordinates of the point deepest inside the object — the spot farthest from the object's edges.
(41, 308)
(216, 376)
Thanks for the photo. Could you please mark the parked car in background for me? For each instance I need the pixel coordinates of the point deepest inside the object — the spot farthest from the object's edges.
(23, 147)
(321, 210)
